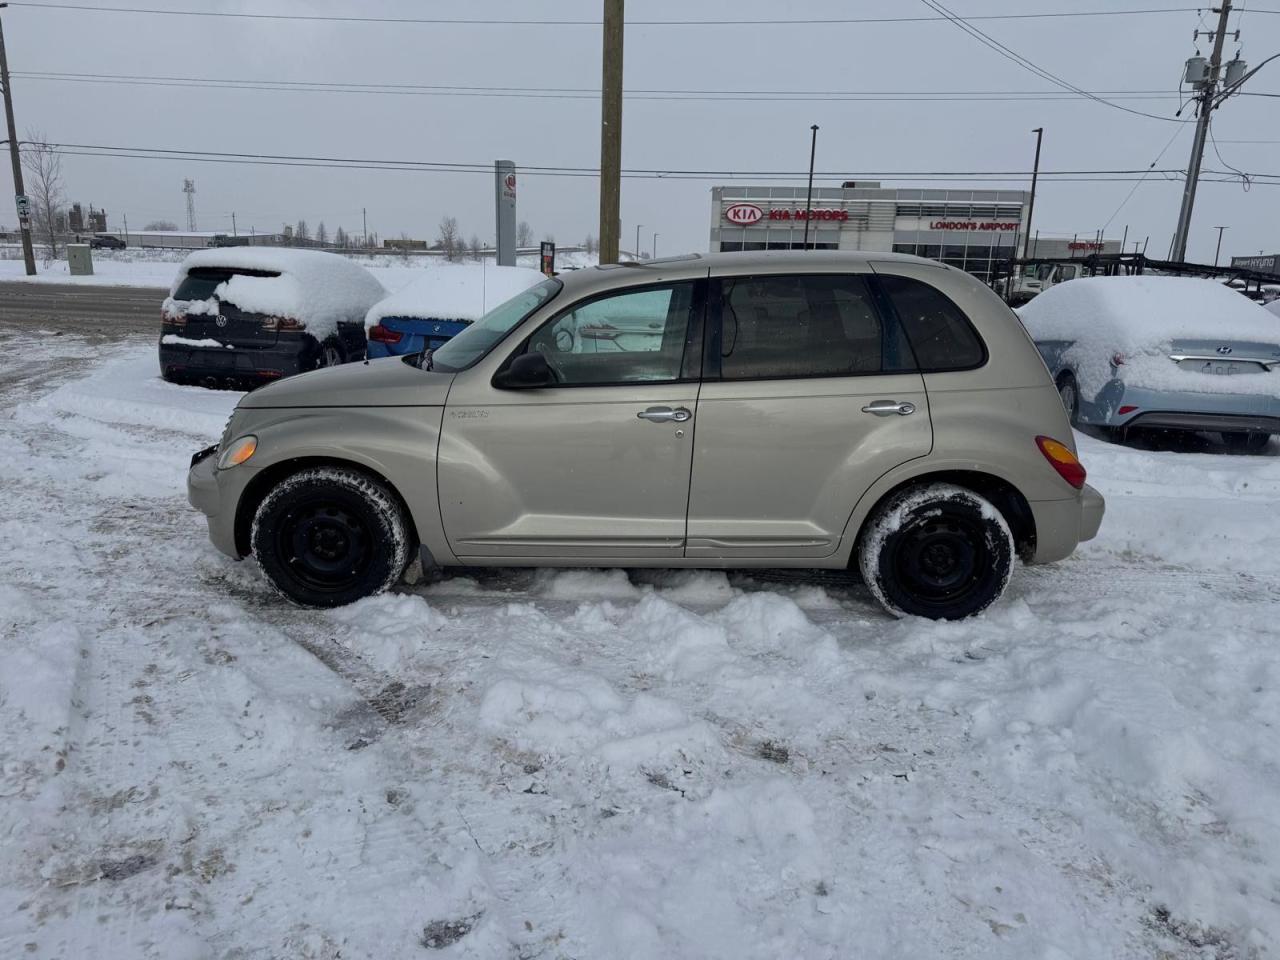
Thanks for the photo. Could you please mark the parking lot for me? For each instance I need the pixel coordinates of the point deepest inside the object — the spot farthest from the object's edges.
(604, 763)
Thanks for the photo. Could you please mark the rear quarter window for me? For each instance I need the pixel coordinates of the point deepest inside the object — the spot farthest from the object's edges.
(940, 334)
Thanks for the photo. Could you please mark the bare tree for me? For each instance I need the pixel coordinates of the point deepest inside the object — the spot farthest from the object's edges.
(589, 244)
(450, 238)
(476, 248)
(301, 233)
(161, 225)
(44, 185)
(524, 234)
(322, 235)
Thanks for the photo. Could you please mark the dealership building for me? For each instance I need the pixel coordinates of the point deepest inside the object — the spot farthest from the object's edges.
(970, 229)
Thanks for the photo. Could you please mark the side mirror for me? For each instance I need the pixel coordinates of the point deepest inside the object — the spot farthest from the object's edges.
(524, 372)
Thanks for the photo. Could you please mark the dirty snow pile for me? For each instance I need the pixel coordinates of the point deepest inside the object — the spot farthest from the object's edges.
(617, 765)
(458, 292)
(1138, 318)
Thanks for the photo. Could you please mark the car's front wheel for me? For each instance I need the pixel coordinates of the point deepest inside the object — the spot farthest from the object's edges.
(937, 551)
(327, 536)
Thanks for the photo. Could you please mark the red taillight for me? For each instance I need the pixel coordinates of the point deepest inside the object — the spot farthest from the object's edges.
(175, 320)
(1063, 460)
(380, 334)
(1127, 408)
(280, 323)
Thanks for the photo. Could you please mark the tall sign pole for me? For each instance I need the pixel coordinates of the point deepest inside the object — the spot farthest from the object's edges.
(1031, 204)
(504, 194)
(808, 199)
(1207, 91)
(611, 132)
(20, 196)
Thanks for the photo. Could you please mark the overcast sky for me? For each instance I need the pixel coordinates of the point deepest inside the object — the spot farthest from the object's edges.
(1111, 53)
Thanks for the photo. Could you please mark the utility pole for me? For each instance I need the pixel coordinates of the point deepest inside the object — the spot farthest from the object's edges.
(655, 246)
(808, 200)
(638, 226)
(364, 231)
(611, 131)
(1031, 203)
(1218, 249)
(20, 198)
(1178, 251)
(233, 224)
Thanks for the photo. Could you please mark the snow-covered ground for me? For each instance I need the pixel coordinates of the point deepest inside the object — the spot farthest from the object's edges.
(602, 764)
(157, 268)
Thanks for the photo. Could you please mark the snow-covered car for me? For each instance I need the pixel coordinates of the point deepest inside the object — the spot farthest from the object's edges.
(239, 317)
(431, 310)
(877, 411)
(1167, 353)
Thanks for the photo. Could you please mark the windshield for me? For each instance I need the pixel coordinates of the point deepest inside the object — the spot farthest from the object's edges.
(1045, 271)
(473, 343)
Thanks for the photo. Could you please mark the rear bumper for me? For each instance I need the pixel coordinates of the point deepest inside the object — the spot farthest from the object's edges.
(1182, 410)
(237, 367)
(1062, 525)
(1212, 422)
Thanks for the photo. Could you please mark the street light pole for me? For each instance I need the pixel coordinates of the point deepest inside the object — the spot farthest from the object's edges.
(1218, 249)
(24, 214)
(638, 226)
(611, 130)
(1031, 203)
(808, 200)
(655, 246)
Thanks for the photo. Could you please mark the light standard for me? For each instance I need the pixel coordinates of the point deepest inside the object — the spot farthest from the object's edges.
(808, 200)
(1218, 249)
(1031, 205)
(655, 246)
(638, 226)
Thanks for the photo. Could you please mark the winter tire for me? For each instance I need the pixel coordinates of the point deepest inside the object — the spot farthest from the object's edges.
(1246, 442)
(937, 551)
(1069, 393)
(327, 536)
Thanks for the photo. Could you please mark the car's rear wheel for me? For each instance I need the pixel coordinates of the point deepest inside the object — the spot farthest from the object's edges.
(937, 551)
(327, 536)
(1242, 442)
(1069, 393)
(331, 354)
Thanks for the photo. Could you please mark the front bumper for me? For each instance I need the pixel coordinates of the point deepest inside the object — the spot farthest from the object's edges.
(205, 494)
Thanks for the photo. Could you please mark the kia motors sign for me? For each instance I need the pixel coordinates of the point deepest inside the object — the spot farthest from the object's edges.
(743, 214)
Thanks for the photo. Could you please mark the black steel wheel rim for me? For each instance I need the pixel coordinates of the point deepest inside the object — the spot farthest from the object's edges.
(325, 545)
(942, 560)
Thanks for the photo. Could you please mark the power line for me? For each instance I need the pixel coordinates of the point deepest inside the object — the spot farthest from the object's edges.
(1021, 61)
(582, 93)
(467, 21)
(1141, 180)
(427, 166)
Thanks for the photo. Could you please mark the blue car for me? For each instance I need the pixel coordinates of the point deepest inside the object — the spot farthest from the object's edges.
(1161, 353)
(440, 305)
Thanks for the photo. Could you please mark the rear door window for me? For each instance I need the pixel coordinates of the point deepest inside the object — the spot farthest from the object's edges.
(940, 333)
(820, 325)
(201, 282)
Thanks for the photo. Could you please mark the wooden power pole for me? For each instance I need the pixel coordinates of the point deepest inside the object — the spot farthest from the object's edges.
(24, 213)
(611, 132)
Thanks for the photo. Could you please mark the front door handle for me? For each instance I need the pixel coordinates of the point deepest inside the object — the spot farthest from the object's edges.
(886, 408)
(665, 415)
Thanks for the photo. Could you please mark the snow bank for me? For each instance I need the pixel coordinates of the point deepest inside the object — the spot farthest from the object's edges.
(461, 292)
(1139, 318)
(319, 289)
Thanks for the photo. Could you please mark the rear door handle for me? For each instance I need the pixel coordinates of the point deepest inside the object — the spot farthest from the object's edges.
(886, 408)
(665, 415)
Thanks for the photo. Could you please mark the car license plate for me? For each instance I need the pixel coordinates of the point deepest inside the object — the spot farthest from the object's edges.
(1222, 368)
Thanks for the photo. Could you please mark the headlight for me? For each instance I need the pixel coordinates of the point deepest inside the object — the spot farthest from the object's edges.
(238, 452)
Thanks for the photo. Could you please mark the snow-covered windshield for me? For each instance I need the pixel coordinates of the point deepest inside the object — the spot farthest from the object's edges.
(477, 340)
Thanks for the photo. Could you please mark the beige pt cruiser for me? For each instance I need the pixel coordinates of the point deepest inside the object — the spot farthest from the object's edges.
(800, 409)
